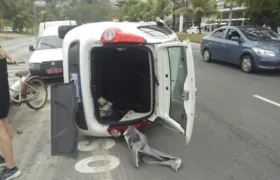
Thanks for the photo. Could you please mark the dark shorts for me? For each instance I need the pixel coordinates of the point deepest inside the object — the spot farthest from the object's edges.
(4, 90)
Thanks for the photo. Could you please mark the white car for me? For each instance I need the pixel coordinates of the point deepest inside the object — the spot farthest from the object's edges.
(193, 30)
(118, 75)
(46, 59)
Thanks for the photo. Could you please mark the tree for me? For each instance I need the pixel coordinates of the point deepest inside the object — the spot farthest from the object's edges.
(134, 10)
(263, 12)
(232, 3)
(85, 13)
(53, 12)
(219, 16)
(20, 12)
(199, 9)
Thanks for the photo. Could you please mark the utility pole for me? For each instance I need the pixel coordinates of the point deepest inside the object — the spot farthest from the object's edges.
(35, 17)
(40, 4)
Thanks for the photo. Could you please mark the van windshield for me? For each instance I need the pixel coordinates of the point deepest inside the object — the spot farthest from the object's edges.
(49, 42)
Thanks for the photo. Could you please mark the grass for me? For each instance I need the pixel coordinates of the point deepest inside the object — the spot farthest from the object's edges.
(195, 38)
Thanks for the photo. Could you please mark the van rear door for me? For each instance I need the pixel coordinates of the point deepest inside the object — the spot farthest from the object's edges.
(176, 90)
(64, 133)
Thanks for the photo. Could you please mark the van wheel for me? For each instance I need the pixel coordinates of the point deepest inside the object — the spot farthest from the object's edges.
(206, 55)
(247, 64)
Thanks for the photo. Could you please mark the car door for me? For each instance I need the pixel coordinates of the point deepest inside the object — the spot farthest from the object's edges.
(176, 90)
(233, 47)
(216, 44)
(64, 134)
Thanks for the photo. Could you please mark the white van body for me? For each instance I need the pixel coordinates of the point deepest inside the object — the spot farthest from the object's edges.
(44, 25)
(46, 59)
(157, 73)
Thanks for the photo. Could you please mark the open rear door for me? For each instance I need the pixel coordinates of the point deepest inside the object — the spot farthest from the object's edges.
(176, 90)
(64, 134)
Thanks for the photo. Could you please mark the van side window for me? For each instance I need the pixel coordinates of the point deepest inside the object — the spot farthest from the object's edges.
(219, 33)
(178, 74)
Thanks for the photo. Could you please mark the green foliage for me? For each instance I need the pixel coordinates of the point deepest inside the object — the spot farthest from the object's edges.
(82, 13)
(88, 13)
(196, 38)
(199, 9)
(262, 12)
(52, 13)
(134, 10)
(19, 12)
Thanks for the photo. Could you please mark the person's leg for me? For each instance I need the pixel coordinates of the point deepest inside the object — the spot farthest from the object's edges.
(10, 134)
(8, 128)
(6, 147)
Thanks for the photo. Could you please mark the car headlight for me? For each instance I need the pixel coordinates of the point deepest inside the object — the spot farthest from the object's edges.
(263, 52)
(35, 66)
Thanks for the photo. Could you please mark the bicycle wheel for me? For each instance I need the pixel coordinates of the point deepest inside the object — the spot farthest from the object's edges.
(35, 87)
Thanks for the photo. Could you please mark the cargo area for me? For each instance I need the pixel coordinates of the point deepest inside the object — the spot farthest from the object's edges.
(122, 83)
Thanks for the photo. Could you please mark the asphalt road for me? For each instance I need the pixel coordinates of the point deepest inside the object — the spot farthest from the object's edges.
(236, 135)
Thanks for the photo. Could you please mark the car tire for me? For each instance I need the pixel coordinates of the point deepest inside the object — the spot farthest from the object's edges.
(206, 55)
(247, 64)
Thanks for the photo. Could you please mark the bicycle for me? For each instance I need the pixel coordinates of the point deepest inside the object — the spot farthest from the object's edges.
(24, 87)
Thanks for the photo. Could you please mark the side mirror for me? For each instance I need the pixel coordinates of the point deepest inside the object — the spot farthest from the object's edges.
(31, 48)
(63, 30)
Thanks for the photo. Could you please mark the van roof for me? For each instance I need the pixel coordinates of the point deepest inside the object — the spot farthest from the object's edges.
(51, 31)
(59, 22)
(152, 32)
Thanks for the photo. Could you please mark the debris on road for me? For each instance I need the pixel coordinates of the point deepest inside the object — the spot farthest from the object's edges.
(19, 131)
(138, 144)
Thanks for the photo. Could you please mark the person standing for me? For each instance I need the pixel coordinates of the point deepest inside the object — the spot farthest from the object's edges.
(10, 171)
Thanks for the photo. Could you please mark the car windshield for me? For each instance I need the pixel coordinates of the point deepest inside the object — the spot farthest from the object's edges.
(260, 34)
(49, 42)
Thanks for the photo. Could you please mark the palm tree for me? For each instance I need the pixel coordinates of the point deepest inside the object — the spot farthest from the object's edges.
(231, 5)
(163, 8)
(134, 10)
(219, 16)
(199, 9)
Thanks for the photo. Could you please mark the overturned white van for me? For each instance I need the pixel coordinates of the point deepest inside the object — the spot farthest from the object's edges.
(118, 75)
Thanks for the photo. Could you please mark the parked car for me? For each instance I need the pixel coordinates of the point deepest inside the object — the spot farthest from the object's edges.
(253, 48)
(193, 30)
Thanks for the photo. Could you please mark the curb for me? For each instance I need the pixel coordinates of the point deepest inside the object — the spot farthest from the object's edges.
(195, 43)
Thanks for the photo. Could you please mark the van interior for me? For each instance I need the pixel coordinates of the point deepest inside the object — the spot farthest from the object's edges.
(122, 83)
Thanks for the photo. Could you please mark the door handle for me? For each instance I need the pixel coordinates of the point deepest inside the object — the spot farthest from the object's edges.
(185, 95)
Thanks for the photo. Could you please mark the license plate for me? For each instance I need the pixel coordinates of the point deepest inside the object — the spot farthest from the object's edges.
(54, 70)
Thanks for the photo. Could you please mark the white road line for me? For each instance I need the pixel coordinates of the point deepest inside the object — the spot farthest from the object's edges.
(267, 100)
(196, 51)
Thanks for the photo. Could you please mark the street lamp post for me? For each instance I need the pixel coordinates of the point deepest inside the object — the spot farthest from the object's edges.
(40, 4)
(35, 18)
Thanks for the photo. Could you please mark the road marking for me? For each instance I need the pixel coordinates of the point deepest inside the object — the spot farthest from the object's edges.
(84, 166)
(267, 100)
(196, 51)
(106, 162)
